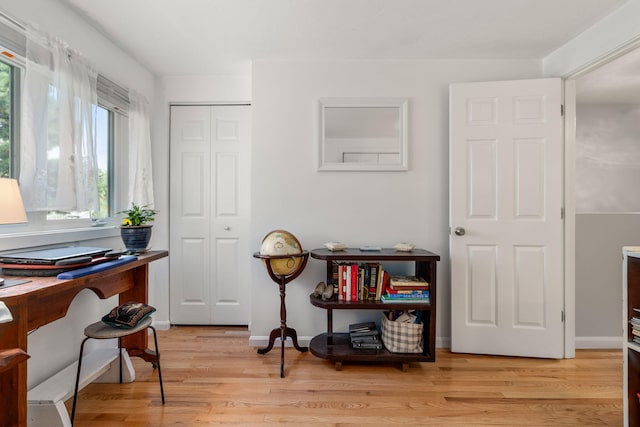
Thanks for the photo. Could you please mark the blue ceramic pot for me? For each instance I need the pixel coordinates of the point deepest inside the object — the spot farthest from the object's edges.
(136, 237)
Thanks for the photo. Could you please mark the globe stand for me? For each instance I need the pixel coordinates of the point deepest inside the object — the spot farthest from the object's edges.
(283, 331)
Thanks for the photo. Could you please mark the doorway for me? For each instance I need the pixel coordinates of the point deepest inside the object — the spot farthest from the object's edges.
(607, 206)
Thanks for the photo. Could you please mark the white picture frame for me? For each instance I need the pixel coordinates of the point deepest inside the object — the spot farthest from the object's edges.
(363, 134)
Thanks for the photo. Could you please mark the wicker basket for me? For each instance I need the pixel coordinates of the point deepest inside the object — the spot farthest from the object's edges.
(401, 337)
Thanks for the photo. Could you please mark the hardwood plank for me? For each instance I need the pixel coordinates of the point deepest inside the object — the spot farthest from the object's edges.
(212, 376)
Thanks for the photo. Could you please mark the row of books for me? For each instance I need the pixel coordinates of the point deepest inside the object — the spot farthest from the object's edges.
(370, 282)
(635, 329)
(365, 336)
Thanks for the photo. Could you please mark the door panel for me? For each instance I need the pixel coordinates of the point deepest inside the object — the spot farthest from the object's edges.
(506, 193)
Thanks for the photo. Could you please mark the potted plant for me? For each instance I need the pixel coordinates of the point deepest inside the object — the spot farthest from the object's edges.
(135, 230)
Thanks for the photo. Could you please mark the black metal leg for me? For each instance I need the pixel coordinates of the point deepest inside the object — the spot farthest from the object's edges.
(120, 357)
(155, 340)
(75, 390)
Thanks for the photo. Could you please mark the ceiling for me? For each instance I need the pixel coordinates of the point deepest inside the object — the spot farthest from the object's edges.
(203, 37)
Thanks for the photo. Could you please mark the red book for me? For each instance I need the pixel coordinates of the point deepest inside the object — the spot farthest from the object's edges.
(354, 282)
(385, 283)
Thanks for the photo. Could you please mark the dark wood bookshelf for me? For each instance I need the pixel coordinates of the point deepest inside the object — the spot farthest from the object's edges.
(631, 350)
(337, 346)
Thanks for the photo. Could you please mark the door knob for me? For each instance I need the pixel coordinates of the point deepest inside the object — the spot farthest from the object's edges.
(227, 228)
(459, 231)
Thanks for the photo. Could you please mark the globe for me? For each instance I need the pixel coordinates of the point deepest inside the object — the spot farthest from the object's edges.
(281, 242)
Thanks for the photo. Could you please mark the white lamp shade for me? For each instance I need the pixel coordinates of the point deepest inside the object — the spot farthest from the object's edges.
(11, 206)
(5, 314)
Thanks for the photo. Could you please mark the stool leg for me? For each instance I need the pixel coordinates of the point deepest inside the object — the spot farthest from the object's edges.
(155, 341)
(75, 391)
(120, 357)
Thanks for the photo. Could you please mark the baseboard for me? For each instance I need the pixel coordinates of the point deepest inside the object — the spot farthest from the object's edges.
(582, 343)
(161, 325)
(443, 342)
(585, 343)
(262, 341)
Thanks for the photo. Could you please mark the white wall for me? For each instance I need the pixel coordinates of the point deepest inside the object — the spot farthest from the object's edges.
(357, 208)
(607, 157)
(56, 345)
(599, 242)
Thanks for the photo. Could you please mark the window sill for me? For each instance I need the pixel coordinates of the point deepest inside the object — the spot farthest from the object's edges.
(26, 239)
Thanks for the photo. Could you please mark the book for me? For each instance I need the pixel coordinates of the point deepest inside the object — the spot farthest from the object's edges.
(347, 282)
(340, 282)
(408, 291)
(363, 291)
(405, 298)
(364, 335)
(362, 327)
(382, 283)
(409, 287)
(334, 277)
(396, 280)
(374, 346)
(374, 281)
(373, 337)
(354, 282)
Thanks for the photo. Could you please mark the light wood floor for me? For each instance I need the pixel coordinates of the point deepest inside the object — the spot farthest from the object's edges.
(211, 377)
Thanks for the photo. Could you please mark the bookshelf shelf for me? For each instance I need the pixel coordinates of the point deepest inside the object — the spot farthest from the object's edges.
(337, 346)
(631, 350)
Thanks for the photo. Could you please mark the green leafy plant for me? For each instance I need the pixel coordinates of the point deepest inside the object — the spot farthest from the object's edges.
(137, 215)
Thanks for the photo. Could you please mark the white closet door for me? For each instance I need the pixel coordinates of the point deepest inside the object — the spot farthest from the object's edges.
(209, 214)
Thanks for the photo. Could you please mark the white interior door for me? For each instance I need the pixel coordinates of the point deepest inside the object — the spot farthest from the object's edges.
(209, 215)
(506, 163)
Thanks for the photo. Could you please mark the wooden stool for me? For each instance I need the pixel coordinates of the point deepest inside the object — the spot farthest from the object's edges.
(102, 331)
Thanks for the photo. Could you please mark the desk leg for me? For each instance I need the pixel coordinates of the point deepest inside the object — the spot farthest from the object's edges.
(13, 372)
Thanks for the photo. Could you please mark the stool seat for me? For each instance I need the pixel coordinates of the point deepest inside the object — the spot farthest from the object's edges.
(103, 331)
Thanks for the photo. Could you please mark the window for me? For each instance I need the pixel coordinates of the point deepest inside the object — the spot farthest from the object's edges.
(104, 124)
(8, 78)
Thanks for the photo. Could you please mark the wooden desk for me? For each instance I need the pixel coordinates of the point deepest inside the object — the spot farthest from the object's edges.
(45, 299)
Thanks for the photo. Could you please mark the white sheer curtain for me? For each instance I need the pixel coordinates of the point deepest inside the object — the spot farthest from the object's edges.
(140, 170)
(58, 165)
